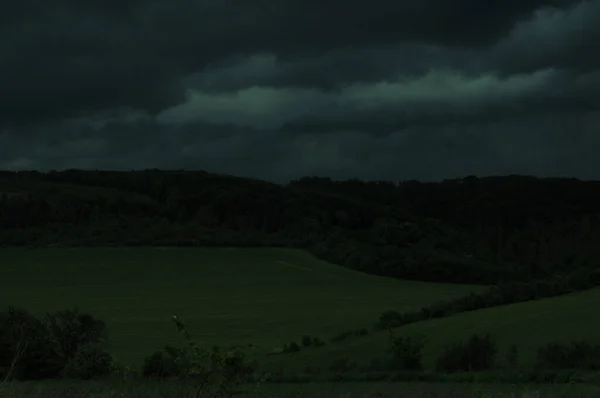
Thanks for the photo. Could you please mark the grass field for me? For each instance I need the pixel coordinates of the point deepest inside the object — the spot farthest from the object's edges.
(226, 296)
(527, 325)
(88, 389)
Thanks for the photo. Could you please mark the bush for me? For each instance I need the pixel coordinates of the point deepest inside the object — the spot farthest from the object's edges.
(159, 365)
(476, 354)
(235, 367)
(576, 355)
(25, 340)
(53, 347)
(481, 352)
(292, 346)
(339, 337)
(406, 353)
(73, 330)
(307, 340)
(170, 362)
(211, 372)
(390, 319)
(90, 362)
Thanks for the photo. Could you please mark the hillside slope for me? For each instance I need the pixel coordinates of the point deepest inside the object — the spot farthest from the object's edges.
(227, 296)
(526, 325)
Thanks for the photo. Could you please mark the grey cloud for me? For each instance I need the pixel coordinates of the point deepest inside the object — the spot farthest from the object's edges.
(435, 99)
(333, 70)
(558, 144)
(560, 38)
(282, 89)
(66, 59)
(553, 38)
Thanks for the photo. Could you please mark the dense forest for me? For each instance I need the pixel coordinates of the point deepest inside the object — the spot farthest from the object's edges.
(469, 230)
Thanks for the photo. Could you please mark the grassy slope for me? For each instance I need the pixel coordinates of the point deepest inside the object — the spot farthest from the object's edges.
(226, 296)
(528, 325)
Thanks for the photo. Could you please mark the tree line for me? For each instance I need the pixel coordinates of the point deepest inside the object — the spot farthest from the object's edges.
(469, 230)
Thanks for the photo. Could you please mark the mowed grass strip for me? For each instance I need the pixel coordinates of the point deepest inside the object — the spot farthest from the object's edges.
(226, 296)
(527, 325)
(150, 389)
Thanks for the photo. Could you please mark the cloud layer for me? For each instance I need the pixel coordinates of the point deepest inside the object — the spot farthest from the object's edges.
(276, 90)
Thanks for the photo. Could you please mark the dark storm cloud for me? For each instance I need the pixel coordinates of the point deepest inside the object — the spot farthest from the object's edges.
(66, 58)
(435, 99)
(65, 63)
(334, 69)
(280, 89)
(559, 38)
(567, 39)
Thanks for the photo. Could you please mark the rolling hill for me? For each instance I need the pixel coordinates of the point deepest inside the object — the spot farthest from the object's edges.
(226, 296)
(526, 325)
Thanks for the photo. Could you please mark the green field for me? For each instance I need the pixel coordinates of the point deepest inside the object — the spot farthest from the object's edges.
(527, 325)
(73, 389)
(226, 296)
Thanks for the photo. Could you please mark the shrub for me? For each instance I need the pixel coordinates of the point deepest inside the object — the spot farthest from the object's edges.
(73, 330)
(159, 365)
(307, 340)
(339, 337)
(292, 346)
(211, 372)
(405, 353)
(90, 362)
(452, 359)
(390, 319)
(576, 355)
(170, 362)
(25, 339)
(54, 346)
(476, 354)
(234, 364)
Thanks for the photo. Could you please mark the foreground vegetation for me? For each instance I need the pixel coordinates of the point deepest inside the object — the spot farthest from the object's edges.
(72, 344)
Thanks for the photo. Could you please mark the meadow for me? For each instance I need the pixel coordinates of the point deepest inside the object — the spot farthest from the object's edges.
(316, 390)
(526, 325)
(264, 297)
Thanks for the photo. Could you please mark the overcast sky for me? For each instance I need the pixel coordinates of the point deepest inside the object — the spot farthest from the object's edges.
(377, 89)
